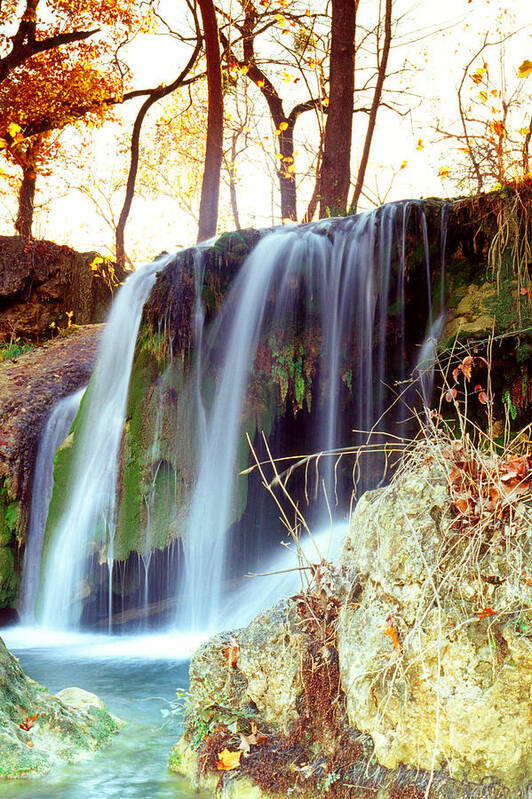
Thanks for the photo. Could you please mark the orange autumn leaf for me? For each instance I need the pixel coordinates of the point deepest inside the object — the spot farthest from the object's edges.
(28, 724)
(525, 69)
(391, 632)
(484, 613)
(227, 761)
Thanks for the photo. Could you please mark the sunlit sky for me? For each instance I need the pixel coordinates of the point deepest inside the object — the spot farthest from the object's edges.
(399, 162)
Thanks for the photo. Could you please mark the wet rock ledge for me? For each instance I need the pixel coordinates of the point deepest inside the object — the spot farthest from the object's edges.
(38, 730)
(405, 670)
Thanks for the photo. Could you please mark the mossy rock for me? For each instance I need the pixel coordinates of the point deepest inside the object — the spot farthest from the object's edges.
(8, 578)
(64, 729)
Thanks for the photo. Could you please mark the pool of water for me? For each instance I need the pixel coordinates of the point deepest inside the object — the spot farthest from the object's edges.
(137, 677)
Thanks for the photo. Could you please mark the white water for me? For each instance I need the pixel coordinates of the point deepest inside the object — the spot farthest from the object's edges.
(274, 263)
(281, 575)
(92, 479)
(54, 433)
(347, 268)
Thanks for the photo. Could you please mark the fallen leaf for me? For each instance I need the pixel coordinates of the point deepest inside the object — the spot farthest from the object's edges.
(28, 724)
(227, 761)
(391, 632)
(484, 613)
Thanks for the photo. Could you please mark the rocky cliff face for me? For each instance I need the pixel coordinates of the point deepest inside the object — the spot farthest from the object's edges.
(405, 670)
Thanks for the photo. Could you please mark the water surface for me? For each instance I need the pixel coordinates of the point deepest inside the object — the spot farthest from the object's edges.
(137, 678)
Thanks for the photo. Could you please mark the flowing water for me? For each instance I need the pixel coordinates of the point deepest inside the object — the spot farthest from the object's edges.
(54, 433)
(335, 279)
(92, 478)
(338, 288)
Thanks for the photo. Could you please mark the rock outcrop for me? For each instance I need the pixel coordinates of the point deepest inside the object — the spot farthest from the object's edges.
(454, 689)
(38, 730)
(40, 282)
(405, 671)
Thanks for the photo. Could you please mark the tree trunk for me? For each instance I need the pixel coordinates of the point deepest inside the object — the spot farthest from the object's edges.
(155, 96)
(120, 246)
(287, 181)
(26, 194)
(377, 95)
(210, 187)
(232, 183)
(336, 166)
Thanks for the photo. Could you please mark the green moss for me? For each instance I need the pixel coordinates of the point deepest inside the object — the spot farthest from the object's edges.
(9, 518)
(131, 518)
(175, 761)
(511, 311)
(9, 514)
(17, 760)
(8, 578)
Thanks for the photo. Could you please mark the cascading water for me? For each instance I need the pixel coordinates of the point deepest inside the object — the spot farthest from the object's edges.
(318, 311)
(275, 262)
(54, 433)
(92, 479)
(342, 272)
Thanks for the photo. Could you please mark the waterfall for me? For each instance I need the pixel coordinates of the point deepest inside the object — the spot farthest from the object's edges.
(55, 431)
(316, 319)
(342, 271)
(278, 259)
(92, 479)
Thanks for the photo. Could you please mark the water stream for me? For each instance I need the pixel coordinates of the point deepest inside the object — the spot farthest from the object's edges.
(337, 289)
(92, 477)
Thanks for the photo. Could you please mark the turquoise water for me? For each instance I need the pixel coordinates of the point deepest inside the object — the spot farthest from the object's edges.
(137, 678)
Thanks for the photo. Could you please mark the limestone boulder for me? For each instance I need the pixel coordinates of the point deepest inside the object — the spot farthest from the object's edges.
(266, 677)
(436, 661)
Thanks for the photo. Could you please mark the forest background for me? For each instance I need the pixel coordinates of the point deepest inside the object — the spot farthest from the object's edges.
(133, 126)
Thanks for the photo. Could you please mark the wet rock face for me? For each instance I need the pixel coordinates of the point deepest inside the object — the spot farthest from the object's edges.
(38, 730)
(453, 689)
(30, 385)
(41, 281)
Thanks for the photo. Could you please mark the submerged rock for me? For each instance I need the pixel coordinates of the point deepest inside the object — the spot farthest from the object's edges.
(38, 730)
(416, 680)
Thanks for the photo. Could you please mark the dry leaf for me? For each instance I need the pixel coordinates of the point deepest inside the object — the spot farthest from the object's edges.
(227, 761)
(28, 724)
(525, 69)
(484, 613)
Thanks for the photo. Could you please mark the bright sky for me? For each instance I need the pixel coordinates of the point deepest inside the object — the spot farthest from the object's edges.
(437, 62)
